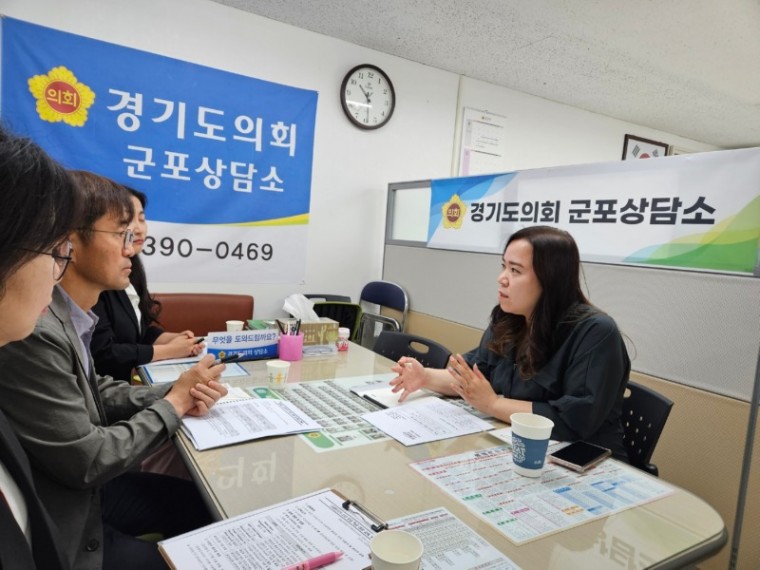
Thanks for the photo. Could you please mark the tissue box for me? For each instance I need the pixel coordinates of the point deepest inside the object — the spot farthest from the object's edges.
(318, 337)
(253, 344)
(322, 333)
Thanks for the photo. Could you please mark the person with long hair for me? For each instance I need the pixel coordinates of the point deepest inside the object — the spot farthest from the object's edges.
(547, 349)
(39, 210)
(128, 333)
(86, 433)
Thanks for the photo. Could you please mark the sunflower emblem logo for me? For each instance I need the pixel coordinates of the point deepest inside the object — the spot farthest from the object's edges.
(453, 213)
(61, 97)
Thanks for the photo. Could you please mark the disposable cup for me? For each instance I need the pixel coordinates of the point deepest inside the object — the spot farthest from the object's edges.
(234, 326)
(395, 550)
(530, 440)
(277, 371)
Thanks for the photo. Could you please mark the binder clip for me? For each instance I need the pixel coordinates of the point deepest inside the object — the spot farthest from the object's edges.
(377, 524)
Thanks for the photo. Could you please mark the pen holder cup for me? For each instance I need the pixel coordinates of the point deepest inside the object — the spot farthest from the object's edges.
(291, 347)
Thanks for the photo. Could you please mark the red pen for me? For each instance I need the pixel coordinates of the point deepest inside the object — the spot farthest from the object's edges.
(316, 562)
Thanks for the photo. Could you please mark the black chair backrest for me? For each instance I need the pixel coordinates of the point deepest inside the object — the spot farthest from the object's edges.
(317, 297)
(394, 345)
(644, 415)
(347, 314)
(386, 294)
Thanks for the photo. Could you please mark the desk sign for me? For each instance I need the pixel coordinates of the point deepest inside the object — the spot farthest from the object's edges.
(252, 345)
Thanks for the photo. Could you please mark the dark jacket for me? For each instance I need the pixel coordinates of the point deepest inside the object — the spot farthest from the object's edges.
(118, 343)
(15, 553)
(580, 388)
(79, 429)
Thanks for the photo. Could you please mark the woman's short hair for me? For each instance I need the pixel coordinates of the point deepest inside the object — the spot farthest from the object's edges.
(39, 206)
(100, 196)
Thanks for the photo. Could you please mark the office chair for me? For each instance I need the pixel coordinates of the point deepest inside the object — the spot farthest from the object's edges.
(644, 415)
(384, 294)
(202, 312)
(347, 314)
(394, 345)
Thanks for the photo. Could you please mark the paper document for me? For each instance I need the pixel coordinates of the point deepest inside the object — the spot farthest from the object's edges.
(160, 372)
(383, 395)
(245, 420)
(277, 536)
(527, 508)
(449, 543)
(427, 419)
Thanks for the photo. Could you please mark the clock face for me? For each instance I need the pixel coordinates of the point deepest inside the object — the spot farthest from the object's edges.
(367, 96)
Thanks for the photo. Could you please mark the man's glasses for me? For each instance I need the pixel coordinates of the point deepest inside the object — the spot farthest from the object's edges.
(128, 236)
(62, 256)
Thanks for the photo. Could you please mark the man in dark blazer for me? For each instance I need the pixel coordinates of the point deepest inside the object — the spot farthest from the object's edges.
(84, 433)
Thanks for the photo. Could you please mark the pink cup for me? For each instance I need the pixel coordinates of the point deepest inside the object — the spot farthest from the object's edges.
(291, 347)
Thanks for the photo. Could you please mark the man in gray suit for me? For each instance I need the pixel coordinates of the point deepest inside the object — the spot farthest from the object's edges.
(85, 433)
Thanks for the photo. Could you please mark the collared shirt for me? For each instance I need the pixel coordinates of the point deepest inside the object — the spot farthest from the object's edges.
(12, 495)
(134, 298)
(84, 324)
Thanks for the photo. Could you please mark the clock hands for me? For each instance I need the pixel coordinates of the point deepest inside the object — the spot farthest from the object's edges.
(369, 103)
(365, 94)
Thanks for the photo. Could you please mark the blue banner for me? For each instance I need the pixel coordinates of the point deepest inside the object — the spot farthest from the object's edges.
(206, 146)
(224, 159)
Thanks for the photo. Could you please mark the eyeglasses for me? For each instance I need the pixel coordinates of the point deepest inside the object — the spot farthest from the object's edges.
(127, 235)
(61, 254)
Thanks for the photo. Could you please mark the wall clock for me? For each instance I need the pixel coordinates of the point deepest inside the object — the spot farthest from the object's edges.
(367, 96)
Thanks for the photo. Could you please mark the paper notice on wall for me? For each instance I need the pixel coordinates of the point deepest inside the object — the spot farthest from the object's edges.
(483, 143)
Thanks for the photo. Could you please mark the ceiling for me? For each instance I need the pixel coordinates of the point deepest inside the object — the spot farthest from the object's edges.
(686, 67)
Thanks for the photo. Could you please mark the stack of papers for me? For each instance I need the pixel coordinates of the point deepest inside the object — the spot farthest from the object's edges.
(245, 420)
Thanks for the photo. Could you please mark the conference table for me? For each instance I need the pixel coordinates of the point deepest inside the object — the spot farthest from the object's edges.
(669, 532)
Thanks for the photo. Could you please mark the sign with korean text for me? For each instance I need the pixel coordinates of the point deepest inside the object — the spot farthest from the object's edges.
(251, 345)
(224, 159)
(699, 211)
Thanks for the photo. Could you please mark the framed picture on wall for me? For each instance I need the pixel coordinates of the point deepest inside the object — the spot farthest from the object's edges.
(676, 150)
(636, 147)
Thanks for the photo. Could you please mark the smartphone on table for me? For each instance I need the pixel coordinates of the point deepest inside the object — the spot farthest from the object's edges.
(580, 456)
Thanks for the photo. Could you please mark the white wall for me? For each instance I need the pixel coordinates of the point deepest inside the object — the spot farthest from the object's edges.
(542, 133)
(352, 168)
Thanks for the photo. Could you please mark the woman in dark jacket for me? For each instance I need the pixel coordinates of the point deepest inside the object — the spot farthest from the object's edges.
(547, 350)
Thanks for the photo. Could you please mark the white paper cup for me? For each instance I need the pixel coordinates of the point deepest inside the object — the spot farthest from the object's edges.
(277, 372)
(234, 325)
(395, 550)
(530, 440)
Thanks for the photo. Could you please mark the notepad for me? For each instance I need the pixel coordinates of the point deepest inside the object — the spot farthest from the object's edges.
(383, 395)
(245, 420)
(161, 372)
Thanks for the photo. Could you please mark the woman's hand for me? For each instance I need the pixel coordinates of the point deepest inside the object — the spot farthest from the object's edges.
(411, 377)
(471, 385)
(181, 346)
